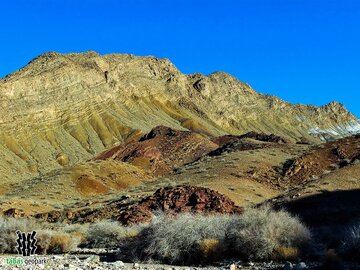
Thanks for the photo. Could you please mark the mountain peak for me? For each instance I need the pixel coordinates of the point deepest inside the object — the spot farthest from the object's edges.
(335, 108)
(79, 104)
(47, 56)
(335, 105)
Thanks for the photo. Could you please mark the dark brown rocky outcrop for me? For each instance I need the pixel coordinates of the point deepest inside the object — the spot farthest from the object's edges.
(326, 157)
(263, 137)
(222, 140)
(161, 150)
(181, 199)
(249, 141)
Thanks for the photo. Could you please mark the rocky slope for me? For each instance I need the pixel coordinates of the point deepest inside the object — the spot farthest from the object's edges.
(161, 150)
(161, 158)
(65, 108)
(323, 159)
(170, 200)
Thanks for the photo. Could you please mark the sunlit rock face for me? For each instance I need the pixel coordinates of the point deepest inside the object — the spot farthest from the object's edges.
(62, 109)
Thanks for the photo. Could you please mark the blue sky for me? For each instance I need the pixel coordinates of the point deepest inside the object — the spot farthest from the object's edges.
(304, 51)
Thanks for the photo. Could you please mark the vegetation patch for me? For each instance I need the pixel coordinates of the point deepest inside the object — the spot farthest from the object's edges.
(257, 234)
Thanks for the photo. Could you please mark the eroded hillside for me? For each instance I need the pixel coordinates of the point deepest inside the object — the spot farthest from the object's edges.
(62, 109)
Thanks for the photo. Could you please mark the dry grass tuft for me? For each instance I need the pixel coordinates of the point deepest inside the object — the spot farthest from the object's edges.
(55, 242)
(285, 254)
(209, 248)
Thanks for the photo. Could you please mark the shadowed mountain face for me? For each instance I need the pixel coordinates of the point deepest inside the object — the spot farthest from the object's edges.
(329, 214)
(327, 208)
(62, 109)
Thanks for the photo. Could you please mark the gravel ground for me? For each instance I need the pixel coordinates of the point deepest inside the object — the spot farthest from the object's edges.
(93, 262)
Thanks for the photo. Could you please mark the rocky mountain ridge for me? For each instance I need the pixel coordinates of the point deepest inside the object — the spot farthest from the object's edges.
(62, 109)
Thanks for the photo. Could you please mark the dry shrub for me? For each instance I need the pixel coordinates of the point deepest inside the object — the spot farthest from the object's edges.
(178, 239)
(63, 243)
(51, 238)
(108, 234)
(8, 228)
(256, 235)
(80, 236)
(259, 231)
(56, 242)
(285, 254)
(78, 230)
(209, 248)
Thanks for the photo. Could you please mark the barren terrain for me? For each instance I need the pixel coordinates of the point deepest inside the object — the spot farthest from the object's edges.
(87, 138)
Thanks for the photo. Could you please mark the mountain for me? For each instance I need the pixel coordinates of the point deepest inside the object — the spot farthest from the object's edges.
(62, 109)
